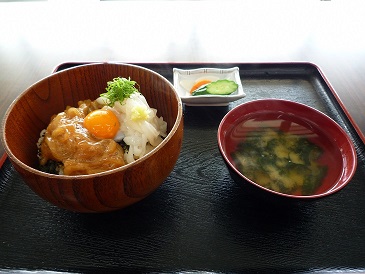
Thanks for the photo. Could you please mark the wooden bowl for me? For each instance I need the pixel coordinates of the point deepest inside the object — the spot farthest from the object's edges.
(111, 190)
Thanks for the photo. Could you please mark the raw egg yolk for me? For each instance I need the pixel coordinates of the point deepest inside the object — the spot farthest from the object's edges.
(199, 84)
(102, 123)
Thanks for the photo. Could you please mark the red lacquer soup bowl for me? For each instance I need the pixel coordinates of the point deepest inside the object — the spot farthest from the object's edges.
(286, 148)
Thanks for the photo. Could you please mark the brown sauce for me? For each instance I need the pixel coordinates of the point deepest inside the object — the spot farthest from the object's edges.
(67, 141)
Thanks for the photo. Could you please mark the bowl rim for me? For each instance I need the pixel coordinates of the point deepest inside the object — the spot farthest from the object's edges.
(335, 188)
(35, 171)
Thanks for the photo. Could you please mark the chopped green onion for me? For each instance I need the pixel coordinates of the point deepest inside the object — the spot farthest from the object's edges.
(119, 89)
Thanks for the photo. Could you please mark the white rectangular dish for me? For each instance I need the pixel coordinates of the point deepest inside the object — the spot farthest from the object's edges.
(184, 79)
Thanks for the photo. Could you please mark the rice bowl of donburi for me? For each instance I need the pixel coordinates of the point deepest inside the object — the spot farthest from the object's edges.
(143, 165)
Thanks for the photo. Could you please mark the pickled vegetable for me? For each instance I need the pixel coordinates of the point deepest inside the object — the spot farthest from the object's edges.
(219, 87)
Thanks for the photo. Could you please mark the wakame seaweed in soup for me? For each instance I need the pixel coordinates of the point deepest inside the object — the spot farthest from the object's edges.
(281, 161)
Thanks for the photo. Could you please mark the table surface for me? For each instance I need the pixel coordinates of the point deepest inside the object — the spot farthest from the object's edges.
(35, 37)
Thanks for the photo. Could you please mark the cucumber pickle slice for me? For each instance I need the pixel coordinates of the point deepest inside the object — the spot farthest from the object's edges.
(222, 87)
(219, 87)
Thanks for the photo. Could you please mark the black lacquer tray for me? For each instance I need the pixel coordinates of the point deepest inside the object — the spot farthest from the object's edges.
(199, 219)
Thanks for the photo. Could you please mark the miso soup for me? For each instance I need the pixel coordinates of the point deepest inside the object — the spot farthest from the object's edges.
(282, 155)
